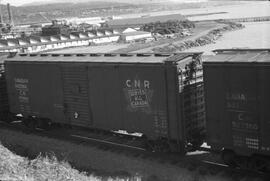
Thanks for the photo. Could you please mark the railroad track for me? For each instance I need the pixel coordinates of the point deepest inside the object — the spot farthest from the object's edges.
(205, 163)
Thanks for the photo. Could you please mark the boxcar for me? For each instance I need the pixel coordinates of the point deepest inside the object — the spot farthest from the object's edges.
(132, 92)
(237, 102)
(4, 108)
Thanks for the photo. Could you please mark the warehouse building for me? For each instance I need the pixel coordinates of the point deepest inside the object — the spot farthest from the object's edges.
(74, 39)
(57, 27)
(43, 43)
(136, 35)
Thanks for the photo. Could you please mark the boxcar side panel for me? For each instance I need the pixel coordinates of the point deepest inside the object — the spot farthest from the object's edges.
(237, 102)
(112, 96)
(264, 86)
(217, 127)
(105, 97)
(129, 97)
(35, 90)
(174, 106)
(4, 109)
(242, 107)
(76, 94)
(144, 99)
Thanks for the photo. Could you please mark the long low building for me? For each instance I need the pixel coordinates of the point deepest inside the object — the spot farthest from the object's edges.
(130, 34)
(43, 43)
(75, 39)
(136, 35)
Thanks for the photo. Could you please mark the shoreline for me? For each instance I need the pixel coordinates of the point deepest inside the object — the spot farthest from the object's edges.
(209, 38)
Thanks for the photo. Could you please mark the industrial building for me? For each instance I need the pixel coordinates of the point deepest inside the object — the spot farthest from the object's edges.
(57, 27)
(40, 43)
(131, 34)
(43, 43)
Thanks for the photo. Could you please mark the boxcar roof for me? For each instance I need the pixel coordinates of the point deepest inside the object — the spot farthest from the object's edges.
(239, 56)
(109, 58)
(3, 56)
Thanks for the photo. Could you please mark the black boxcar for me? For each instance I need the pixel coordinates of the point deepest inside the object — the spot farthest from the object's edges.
(237, 93)
(4, 108)
(132, 92)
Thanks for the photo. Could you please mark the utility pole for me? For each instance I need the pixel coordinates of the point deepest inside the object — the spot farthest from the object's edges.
(10, 17)
(1, 15)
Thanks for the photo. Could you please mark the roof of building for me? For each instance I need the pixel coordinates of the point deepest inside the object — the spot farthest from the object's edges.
(134, 33)
(100, 57)
(3, 56)
(3, 43)
(36, 40)
(239, 56)
(54, 26)
(23, 40)
(12, 42)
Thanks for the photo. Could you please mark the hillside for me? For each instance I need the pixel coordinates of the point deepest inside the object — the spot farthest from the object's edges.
(67, 6)
(32, 12)
(40, 12)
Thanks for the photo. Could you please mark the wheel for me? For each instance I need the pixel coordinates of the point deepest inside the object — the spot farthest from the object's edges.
(149, 145)
(30, 123)
(6, 117)
(165, 146)
(161, 145)
(44, 124)
(196, 144)
(228, 158)
(259, 163)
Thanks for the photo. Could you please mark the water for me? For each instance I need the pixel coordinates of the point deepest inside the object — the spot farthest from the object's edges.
(254, 35)
(241, 10)
(250, 9)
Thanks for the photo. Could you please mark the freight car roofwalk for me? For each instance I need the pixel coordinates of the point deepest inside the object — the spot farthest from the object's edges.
(118, 58)
(239, 56)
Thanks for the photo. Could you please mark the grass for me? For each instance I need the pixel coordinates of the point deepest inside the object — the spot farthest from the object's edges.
(14, 167)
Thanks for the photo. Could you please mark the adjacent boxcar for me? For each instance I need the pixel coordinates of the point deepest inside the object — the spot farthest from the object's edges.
(4, 108)
(237, 93)
(132, 92)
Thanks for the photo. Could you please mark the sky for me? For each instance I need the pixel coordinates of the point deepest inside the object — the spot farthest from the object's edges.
(21, 2)
(17, 2)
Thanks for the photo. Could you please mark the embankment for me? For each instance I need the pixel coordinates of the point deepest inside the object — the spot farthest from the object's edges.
(103, 162)
(96, 161)
(14, 167)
